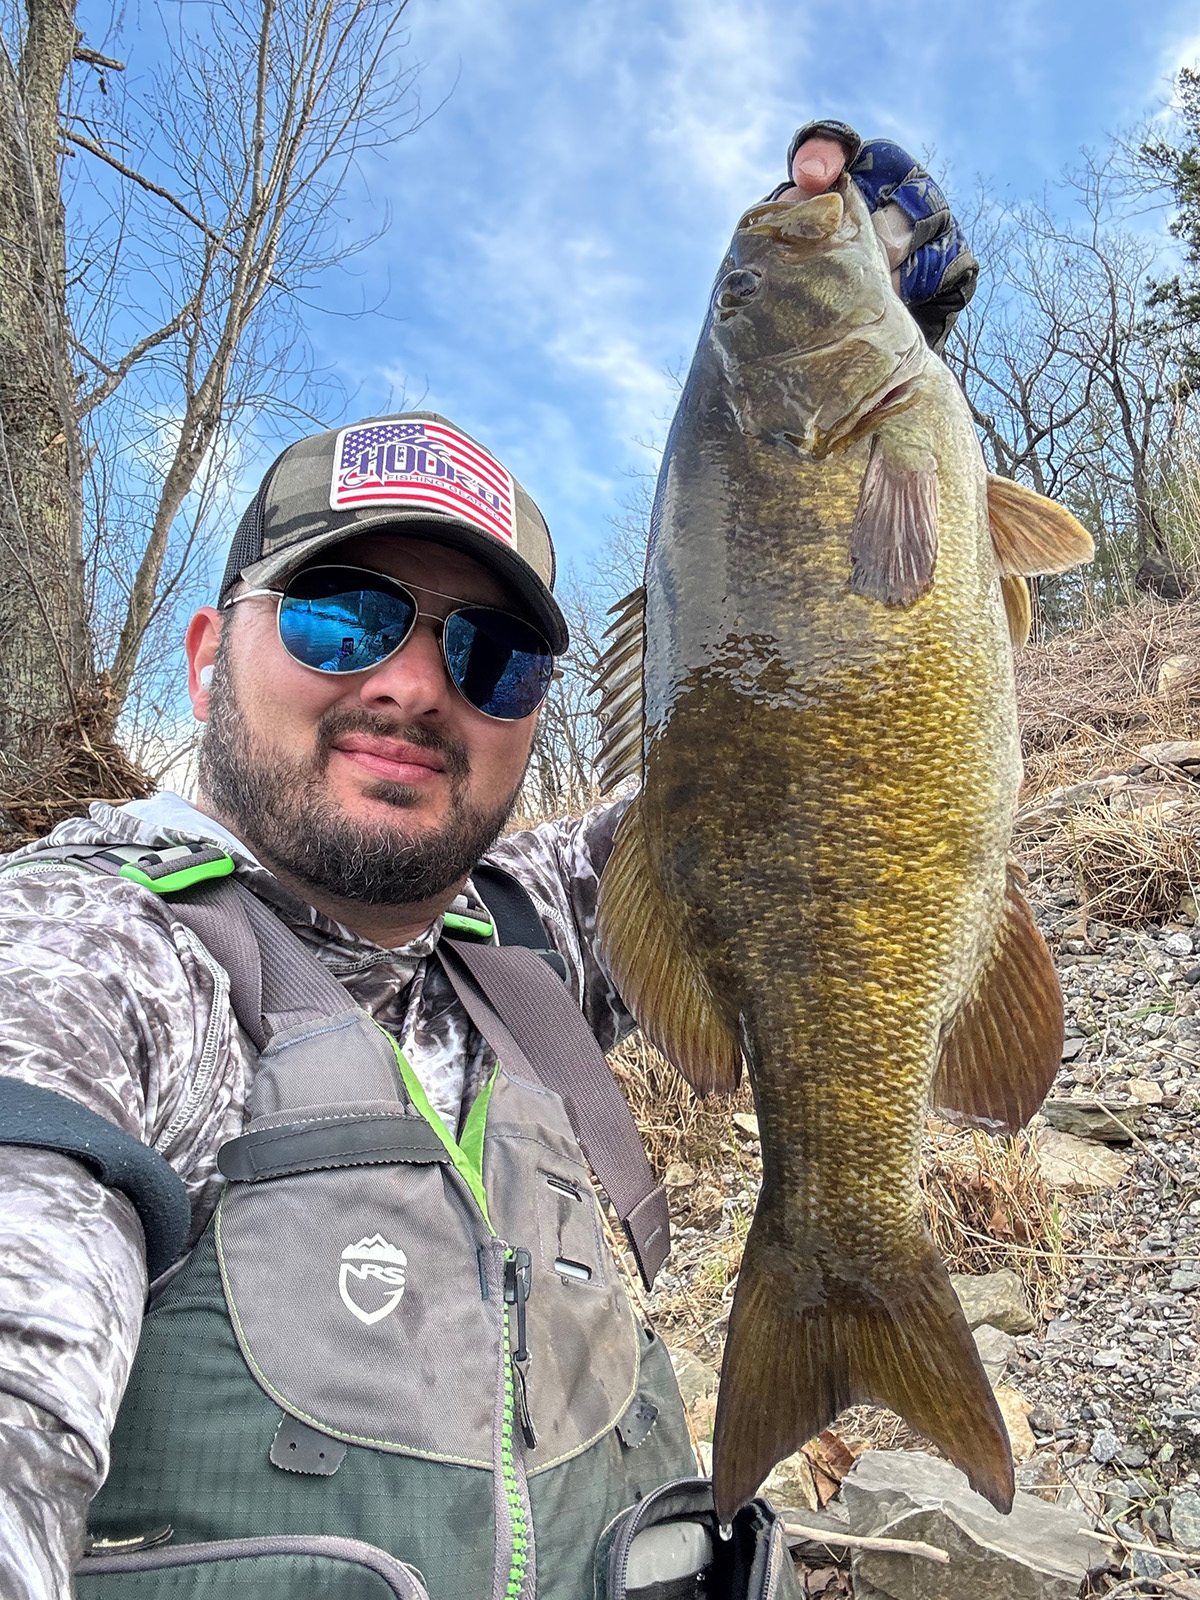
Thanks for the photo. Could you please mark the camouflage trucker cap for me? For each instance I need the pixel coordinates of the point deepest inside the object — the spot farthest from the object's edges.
(414, 472)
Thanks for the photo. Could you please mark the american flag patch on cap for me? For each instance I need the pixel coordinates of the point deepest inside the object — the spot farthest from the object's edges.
(422, 466)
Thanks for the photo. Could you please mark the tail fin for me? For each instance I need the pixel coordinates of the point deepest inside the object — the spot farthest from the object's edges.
(804, 1344)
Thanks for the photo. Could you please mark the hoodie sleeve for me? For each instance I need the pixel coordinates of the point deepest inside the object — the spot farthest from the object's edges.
(103, 1002)
(560, 863)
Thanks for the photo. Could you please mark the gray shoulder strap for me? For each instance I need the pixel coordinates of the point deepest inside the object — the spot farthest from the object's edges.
(526, 1015)
(274, 980)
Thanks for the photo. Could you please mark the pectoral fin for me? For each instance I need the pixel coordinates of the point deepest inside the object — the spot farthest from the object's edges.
(1002, 1047)
(655, 972)
(894, 542)
(1031, 534)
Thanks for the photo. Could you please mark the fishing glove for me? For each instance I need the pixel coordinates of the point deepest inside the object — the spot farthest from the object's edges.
(934, 269)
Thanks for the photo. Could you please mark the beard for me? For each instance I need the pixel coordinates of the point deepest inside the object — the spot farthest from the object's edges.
(279, 806)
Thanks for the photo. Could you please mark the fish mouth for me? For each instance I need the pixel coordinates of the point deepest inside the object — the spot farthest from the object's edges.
(899, 392)
(797, 221)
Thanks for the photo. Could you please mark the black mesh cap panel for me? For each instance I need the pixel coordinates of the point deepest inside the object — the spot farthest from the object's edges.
(247, 543)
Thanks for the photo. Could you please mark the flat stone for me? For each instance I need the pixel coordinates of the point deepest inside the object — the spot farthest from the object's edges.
(696, 1380)
(1179, 944)
(1183, 1281)
(1144, 1090)
(997, 1298)
(1185, 1519)
(995, 1347)
(746, 1122)
(679, 1175)
(1171, 753)
(1035, 1553)
(1132, 1455)
(1077, 1166)
(1098, 1120)
(1015, 1409)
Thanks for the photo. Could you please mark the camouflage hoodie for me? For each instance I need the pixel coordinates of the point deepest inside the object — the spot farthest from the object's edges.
(104, 999)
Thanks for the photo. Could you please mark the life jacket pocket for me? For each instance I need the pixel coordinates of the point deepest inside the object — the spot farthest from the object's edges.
(284, 1567)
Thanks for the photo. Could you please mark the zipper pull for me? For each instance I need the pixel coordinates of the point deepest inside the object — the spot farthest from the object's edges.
(522, 1399)
(518, 1282)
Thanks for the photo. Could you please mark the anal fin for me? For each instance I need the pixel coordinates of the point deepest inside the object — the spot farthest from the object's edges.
(1002, 1047)
(655, 972)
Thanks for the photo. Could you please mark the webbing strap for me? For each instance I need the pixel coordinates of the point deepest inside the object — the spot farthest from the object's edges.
(527, 1016)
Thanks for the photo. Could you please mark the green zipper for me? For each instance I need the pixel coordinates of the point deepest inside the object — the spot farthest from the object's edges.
(467, 1156)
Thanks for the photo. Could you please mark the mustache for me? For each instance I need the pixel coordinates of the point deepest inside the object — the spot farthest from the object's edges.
(335, 723)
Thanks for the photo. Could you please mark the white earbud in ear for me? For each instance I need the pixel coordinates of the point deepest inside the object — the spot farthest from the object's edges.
(205, 677)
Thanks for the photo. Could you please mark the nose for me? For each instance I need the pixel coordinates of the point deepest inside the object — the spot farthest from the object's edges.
(412, 683)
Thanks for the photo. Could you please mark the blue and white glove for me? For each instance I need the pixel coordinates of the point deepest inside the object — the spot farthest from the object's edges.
(932, 266)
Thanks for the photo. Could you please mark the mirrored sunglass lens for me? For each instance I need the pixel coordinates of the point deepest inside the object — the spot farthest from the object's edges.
(502, 666)
(327, 622)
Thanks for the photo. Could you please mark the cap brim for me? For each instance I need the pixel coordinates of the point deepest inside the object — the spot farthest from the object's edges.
(452, 532)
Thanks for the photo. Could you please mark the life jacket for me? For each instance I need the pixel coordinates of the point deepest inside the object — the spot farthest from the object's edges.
(399, 1362)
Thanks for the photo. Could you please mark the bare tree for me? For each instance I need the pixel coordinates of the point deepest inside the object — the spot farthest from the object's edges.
(151, 313)
(1071, 393)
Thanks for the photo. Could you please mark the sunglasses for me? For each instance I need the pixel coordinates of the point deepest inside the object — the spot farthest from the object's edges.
(346, 619)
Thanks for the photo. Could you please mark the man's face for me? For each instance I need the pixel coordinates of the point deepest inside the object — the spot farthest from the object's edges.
(383, 786)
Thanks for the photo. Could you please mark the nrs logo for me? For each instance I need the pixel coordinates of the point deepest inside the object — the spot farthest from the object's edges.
(369, 1268)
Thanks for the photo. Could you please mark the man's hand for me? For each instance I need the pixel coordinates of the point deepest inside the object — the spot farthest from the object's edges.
(933, 270)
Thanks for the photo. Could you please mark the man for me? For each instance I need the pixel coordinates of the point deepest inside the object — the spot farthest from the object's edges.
(354, 790)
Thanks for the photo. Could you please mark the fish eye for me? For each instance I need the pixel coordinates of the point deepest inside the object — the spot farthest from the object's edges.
(737, 287)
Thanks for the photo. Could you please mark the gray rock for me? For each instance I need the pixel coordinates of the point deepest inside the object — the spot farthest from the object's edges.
(1132, 1455)
(694, 1378)
(1183, 1281)
(994, 1349)
(1076, 1166)
(1179, 944)
(1035, 1553)
(1044, 1420)
(1106, 1358)
(997, 1298)
(1185, 1519)
(1105, 1446)
(1093, 1119)
(1145, 1564)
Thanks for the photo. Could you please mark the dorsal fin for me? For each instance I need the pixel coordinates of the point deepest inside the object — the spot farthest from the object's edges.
(1031, 534)
(620, 708)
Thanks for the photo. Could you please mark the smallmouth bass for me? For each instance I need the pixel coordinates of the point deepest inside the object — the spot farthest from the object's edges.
(815, 688)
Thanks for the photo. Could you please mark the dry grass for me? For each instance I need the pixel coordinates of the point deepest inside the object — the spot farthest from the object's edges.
(1087, 701)
(675, 1123)
(988, 1207)
(1130, 869)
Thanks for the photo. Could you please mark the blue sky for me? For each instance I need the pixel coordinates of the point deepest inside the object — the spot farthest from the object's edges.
(558, 221)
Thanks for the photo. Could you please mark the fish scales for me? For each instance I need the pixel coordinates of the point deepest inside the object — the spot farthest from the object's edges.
(813, 878)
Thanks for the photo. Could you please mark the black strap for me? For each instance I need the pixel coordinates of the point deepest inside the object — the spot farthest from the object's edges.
(531, 1022)
(332, 1141)
(514, 913)
(31, 1115)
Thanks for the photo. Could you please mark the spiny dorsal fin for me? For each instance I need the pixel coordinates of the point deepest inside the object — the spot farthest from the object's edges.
(1031, 534)
(648, 958)
(619, 684)
(1001, 1049)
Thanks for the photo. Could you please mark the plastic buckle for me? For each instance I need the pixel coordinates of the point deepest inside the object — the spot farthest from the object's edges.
(461, 926)
(179, 867)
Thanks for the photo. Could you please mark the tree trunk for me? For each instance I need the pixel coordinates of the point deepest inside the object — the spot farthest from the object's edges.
(46, 657)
